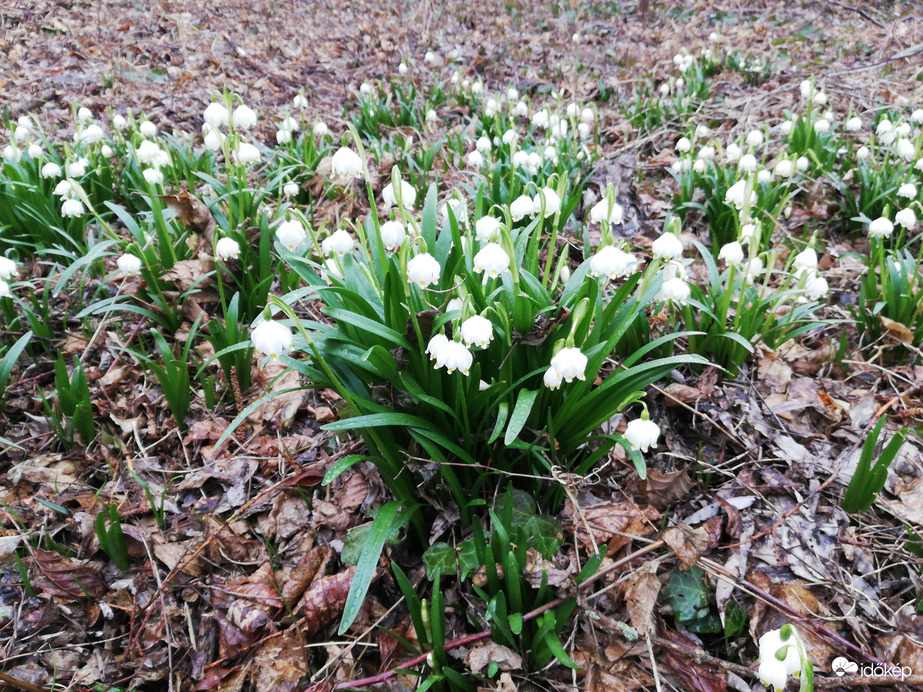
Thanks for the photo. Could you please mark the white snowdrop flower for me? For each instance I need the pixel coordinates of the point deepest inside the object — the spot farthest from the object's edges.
(72, 207)
(887, 138)
(50, 170)
(534, 162)
(699, 166)
(784, 168)
(483, 144)
(475, 159)
(820, 98)
(299, 102)
(521, 109)
(454, 356)
(772, 672)
(702, 131)
(559, 130)
(764, 176)
(64, 189)
(917, 116)
(854, 124)
(477, 88)
(244, 117)
(227, 248)
(147, 152)
(246, 154)
(552, 378)
(908, 190)
(883, 126)
(521, 207)
(603, 211)
(584, 131)
(283, 136)
(491, 107)
(673, 270)
(290, 124)
(806, 260)
(735, 194)
(339, 243)
(5, 291)
(667, 247)
(213, 139)
(747, 163)
(291, 234)
(22, 134)
(272, 339)
(459, 211)
(477, 331)
(683, 145)
(492, 260)
(216, 114)
(785, 127)
(76, 169)
(677, 166)
(706, 153)
(732, 254)
(402, 68)
(36, 152)
(747, 233)
(436, 343)
(732, 153)
(755, 138)
(552, 201)
(106, 151)
(147, 129)
(753, 269)
(320, 129)
(540, 119)
(642, 434)
(902, 130)
(152, 176)
(664, 90)
(408, 195)
(119, 122)
(346, 163)
(571, 363)
(520, 159)
(906, 218)
(676, 290)
(290, 189)
(429, 58)
(905, 149)
(423, 270)
(487, 228)
(863, 153)
(612, 262)
(84, 115)
(821, 126)
(454, 305)
(509, 137)
(7, 268)
(816, 287)
(802, 163)
(588, 115)
(11, 153)
(129, 265)
(392, 235)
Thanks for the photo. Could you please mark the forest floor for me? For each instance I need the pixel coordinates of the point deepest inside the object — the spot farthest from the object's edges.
(746, 486)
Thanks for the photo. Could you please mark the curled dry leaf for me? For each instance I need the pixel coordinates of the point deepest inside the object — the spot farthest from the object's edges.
(640, 592)
(324, 601)
(483, 655)
(690, 544)
(302, 575)
(193, 214)
(63, 576)
(611, 523)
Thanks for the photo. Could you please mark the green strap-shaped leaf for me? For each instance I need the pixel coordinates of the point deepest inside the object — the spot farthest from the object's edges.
(521, 412)
(368, 562)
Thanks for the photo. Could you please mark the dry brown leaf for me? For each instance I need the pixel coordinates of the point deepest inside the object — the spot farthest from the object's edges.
(611, 523)
(45, 468)
(640, 592)
(897, 332)
(538, 569)
(282, 407)
(63, 576)
(188, 273)
(324, 601)
(179, 555)
(677, 393)
(193, 214)
(665, 488)
(691, 544)
(483, 655)
(302, 575)
(774, 371)
(694, 675)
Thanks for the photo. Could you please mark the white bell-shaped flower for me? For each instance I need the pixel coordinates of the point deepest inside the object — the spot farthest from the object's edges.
(602, 211)
(392, 235)
(676, 290)
(227, 248)
(642, 434)
(272, 338)
(423, 270)
(881, 228)
(408, 195)
(346, 163)
(906, 218)
(552, 201)
(571, 363)
(291, 234)
(7, 268)
(667, 247)
(129, 265)
(216, 114)
(521, 207)
(246, 154)
(732, 253)
(72, 207)
(338, 243)
(492, 260)
(244, 117)
(552, 378)
(612, 263)
(487, 228)
(477, 331)
(454, 356)
(772, 672)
